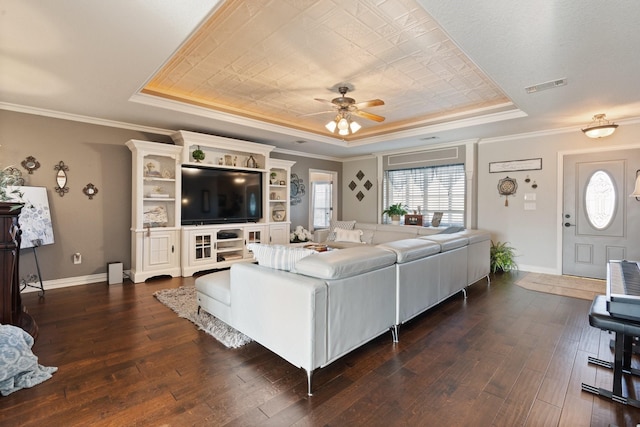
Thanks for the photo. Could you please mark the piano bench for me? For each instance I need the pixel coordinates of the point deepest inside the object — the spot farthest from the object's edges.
(626, 331)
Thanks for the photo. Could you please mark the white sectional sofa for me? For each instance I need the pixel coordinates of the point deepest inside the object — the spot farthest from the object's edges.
(333, 302)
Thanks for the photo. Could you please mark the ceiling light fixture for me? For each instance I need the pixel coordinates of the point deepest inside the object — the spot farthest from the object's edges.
(600, 127)
(343, 124)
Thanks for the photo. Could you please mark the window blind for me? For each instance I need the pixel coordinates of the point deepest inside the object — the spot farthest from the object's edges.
(428, 189)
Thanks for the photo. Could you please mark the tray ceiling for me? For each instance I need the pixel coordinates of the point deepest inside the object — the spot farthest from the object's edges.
(268, 60)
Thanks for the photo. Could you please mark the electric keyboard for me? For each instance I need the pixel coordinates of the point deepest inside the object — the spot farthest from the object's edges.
(623, 289)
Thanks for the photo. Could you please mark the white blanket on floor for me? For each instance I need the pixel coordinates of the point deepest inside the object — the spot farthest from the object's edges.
(19, 367)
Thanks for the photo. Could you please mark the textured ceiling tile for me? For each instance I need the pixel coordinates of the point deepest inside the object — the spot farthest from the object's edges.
(270, 59)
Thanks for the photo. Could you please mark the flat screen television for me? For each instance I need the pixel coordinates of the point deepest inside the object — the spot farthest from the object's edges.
(219, 196)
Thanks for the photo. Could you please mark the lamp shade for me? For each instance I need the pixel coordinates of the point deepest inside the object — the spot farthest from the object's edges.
(600, 127)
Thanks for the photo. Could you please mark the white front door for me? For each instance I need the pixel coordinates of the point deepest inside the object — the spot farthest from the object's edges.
(600, 221)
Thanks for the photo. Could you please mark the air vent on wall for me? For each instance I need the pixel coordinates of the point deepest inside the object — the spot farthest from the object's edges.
(546, 85)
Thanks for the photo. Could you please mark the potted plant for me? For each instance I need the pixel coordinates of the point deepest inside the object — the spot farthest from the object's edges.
(395, 212)
(502, 257)
(274, 178)
(198, 154)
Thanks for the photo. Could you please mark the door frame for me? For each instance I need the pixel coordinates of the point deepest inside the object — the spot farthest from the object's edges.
(560, 190)
(334, 193)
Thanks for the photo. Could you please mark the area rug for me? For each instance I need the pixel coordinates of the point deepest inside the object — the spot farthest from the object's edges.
(183, 301)
(568, 286)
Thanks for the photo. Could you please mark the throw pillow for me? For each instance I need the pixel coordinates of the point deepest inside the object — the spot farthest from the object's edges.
(277, 256)
(348, 235)
(342, 225)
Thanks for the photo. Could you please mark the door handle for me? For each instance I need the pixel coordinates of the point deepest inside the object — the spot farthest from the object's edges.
(566, 224)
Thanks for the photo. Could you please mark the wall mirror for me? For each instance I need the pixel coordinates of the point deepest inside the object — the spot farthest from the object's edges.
(61, 178)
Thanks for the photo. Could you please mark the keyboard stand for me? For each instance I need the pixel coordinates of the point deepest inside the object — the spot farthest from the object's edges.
(625, 331)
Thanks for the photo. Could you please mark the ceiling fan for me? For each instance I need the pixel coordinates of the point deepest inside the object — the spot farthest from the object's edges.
(346, 104)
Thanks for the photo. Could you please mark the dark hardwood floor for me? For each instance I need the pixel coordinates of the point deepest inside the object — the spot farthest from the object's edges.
(506, 356)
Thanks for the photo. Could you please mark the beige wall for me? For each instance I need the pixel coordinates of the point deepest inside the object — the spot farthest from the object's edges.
(98, 228)
(365, 210)
(535, 234)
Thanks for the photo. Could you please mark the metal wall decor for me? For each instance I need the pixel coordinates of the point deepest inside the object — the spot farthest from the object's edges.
(507, 187)
(30, 164)
(515, 165)
(90, 190)
(61, 178)
(297, 189)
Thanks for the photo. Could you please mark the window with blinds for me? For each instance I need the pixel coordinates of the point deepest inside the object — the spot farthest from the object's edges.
(430, 189)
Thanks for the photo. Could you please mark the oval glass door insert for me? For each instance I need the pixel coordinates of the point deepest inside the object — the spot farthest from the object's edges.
(600, 200)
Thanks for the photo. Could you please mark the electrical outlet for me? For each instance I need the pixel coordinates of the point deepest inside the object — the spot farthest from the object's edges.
(77, 258)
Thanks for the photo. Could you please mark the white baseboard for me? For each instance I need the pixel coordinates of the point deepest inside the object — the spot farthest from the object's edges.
(71, 281)
(536, 269)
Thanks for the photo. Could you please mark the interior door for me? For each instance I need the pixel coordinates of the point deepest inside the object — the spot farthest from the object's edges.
(600, 221)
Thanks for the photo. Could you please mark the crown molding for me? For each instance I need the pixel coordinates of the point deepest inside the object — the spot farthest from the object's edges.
(83, 119)
(310, 155)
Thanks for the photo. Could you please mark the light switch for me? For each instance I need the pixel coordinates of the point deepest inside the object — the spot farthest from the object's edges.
(530, 206)
(529, 197)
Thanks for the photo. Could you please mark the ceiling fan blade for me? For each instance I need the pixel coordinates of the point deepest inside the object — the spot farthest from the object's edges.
(369, 116)
(324, 101)
(370, 103)
(316, 113)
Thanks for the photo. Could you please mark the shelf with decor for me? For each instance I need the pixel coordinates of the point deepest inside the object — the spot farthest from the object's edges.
(155, 217)
(279, 200)
(221, 152)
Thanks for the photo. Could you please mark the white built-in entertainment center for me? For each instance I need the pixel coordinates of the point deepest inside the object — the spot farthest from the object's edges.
(163, 244)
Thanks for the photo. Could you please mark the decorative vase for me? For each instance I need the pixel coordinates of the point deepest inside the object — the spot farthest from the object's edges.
(251, 162)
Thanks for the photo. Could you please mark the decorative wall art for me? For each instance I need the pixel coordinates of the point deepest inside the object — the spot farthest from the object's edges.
(35, 218)
(515, 165)
(30, 164)
(90, 190)
(298, 189)
(507, 187)
(367, 185)
(61, 178)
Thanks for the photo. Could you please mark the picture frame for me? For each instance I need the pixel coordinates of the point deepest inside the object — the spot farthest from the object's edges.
(515, 165)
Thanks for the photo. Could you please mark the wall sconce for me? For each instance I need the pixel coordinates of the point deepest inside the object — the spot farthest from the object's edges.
(636, 191)
(600, 127)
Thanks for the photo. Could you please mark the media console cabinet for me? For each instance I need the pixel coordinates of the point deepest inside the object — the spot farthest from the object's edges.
(160, 244)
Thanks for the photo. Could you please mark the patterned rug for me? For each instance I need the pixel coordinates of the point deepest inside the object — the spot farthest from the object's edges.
(568, 286)
(182, 300)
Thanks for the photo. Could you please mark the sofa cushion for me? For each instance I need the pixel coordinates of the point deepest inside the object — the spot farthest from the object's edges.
(215, 285)
(343, 225)
(348, 235)
(448, 242)
(408, 250)
(343, 263)
(278, 256)
(475, 236)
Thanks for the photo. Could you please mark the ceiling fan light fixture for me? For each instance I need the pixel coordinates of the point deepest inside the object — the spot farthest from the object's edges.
(343, 124)
(331, 126)
(355, 127)
(600, 127)
(343, 132)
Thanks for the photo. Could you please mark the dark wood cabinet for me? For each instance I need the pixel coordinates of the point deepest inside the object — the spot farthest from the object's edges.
(11, 310)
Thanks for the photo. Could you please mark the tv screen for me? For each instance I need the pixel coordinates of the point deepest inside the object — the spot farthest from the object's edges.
(218, 196)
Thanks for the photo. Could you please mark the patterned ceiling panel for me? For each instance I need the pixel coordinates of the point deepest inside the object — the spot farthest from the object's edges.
(268, 60)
